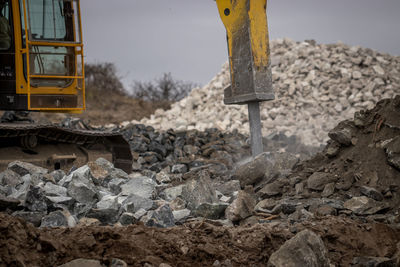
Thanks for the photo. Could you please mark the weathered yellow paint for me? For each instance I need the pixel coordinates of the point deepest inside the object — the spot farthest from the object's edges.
(259, 32)
(255, 12)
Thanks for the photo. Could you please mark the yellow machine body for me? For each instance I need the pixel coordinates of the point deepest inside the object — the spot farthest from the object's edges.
(43, 66)
(248, 46)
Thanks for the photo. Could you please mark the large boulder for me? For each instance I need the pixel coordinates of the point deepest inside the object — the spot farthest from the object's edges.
(198, 191)
(213, 211)
(393, 152)
(58, 219)
(51, 189)
(133, 203)
(161, 217)
(23, 168)
(304, 249)
(35, 199)
(81, 192)
(242, 207)
(252, 171)
(318, 180)
(364, 205)
(141, 186)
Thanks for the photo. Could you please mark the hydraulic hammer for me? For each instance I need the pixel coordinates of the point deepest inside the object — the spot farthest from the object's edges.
(249, 60)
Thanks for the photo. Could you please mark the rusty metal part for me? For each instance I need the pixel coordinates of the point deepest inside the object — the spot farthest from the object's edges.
(87, 141)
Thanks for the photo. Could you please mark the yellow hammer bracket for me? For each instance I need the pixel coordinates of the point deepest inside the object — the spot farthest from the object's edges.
(249, 59)
(248, 45)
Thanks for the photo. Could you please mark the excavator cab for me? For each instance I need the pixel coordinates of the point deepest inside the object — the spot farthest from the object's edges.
(41, 56)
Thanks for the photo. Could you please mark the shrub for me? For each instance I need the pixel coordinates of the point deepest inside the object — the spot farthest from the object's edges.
(165, 88)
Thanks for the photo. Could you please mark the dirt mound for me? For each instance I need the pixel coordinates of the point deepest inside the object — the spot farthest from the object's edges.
(361, 155)
(194, 244)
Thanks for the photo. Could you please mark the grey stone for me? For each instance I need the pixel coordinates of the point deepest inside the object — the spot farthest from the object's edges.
(253, 171)
(266, 204)
(227, 188)
(81, 209)
(139, 214)
(35, 199)
(82, 263)
(393, 152)
(118, 263)
(81, 175)
(329, 189)
(81, 192)
(55, 219)
(133, 203)
(181, 215)
(191, 150)
(300, 215)
(23, 168)
(299, 188)
(161, 217)
(108, 202)
(115, 185)
(332, 150)
(371, 193)
(21, 191)
(127, 218)
(57, 175)
(141, 186)
(163, 178)
(196, 192)
(68, 201)
(326, 210)
(373, 262)
(102, 162)
(213, 211)
(342, 136)
(51, 189)
(282, 164)
(10, 178)
(178, 204)
(364, 205)
(241, 208)
(304, 249)
(273, 189)
(172, 193)
(318, 180)
(179, 168)
(9, 203)
(105, 216)
(33, 217)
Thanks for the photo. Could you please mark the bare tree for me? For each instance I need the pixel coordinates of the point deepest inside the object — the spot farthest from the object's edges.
(103, 77)
(162, 89)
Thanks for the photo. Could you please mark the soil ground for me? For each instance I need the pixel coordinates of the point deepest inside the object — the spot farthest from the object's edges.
(192, 244)
(101, 109)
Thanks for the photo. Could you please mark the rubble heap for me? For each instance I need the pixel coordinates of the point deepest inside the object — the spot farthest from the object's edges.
(202, 186)
(316, 86)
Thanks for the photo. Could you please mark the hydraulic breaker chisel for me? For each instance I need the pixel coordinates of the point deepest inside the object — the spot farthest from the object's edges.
(249, 60)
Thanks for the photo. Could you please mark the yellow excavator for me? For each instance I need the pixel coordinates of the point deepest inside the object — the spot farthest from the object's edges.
(41, 69)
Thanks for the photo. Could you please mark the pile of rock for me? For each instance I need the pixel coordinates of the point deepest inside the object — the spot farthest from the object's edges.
(316, 86)
(357, 174)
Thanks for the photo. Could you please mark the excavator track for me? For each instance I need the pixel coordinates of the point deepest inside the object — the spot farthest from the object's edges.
(29, 136)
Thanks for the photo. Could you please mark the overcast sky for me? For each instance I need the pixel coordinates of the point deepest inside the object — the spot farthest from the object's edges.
(146, 38)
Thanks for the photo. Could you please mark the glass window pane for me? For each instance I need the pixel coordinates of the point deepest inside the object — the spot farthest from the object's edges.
(51, 60)
(52, 20)
(5, 26)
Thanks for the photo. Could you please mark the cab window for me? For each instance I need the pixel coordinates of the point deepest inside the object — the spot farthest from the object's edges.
(5, 26)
